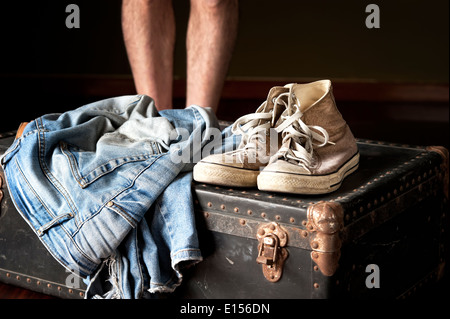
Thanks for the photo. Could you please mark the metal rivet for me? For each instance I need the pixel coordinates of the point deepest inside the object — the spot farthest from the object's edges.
(236, 210)
(38, 283)
(209, 204)
(18, 277)
(242, 222)
(28, 280)
(70, 291)
(277, 217)
(272, 227)
(316, 268)
(316, 285)
(304, 233)
(81, 294)
(314, 245)
(263, 215)
(261, 232)
(49, 285)
(292, 220)
(249, 212)
(222, 206)
(206, 214)
(109, 204)
(8, 274)
(315, 255)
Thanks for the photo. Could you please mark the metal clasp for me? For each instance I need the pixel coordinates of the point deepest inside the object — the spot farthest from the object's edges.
(271, 251)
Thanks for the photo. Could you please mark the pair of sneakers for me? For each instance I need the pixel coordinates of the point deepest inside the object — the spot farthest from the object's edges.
(295, 142)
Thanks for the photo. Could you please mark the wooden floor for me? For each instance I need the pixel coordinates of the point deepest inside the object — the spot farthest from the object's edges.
(12, 292)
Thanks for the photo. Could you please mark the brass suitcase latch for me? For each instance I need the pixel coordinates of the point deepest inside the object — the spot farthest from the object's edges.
(271, 252)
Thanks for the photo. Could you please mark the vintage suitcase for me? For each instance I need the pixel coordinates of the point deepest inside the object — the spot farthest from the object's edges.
(24, 261)
(382, 234)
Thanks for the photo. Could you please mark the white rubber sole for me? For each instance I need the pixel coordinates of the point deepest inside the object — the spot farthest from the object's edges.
(224, 175)
(306, 184)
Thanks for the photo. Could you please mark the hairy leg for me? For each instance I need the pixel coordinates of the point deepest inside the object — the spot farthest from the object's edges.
(149, 35)
(210, 41)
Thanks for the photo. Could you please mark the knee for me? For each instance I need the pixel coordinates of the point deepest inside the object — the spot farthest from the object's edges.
(146, 3)
(215, 4)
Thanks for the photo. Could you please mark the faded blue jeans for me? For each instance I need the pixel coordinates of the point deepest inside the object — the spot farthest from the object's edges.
(104, 189)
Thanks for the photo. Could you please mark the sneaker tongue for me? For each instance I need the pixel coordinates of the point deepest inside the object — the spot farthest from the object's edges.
(269, 105)
(273, 94)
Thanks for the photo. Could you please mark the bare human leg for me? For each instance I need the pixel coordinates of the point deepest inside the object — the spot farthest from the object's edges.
(149, 35)
(211, 35)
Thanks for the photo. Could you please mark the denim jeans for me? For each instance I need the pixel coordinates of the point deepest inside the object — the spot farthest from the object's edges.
(103, 190)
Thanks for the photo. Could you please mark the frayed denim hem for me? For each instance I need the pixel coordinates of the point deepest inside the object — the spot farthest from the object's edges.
(180, 260)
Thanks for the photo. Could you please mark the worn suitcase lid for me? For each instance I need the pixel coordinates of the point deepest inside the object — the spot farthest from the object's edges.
(390, 178)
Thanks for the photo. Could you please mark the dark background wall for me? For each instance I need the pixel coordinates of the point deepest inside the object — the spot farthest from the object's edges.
(398, 74)
(283, 38)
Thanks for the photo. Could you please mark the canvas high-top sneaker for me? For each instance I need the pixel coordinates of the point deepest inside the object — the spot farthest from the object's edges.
(242, 166)
(318, 149)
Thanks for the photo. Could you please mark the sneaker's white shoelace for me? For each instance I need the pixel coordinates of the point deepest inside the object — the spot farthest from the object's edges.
(299, 139)
(253, 128)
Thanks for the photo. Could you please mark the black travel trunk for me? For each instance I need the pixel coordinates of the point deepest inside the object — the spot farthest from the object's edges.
(382, 234)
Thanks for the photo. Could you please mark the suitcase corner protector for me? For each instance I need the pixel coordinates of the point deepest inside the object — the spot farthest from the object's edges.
(325, 222)
(443, 152)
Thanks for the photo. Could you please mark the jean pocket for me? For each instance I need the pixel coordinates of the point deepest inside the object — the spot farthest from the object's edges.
(88, 166)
